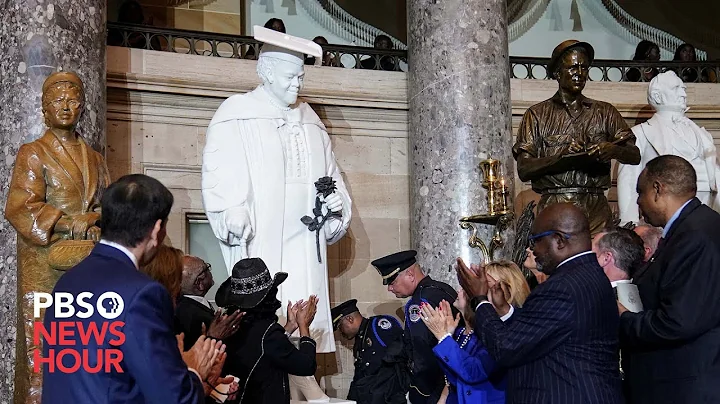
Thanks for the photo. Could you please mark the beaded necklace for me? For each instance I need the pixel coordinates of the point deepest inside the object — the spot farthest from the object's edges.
(462, 344)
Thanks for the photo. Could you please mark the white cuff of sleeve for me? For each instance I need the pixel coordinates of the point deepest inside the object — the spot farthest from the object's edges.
(443, 337)
(503, 318)
(508, 314)
(481, 303)
(196, 374)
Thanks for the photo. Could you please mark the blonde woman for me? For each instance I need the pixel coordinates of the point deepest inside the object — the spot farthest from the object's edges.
(470, 373)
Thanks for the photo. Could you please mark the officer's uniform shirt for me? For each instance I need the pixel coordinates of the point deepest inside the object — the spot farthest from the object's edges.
(428, 378)
(376, 334)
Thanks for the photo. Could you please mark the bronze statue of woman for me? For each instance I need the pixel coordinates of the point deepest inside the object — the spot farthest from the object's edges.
(53, 204)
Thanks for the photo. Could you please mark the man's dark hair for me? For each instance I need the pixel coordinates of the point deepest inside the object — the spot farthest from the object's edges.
(626, 247)
(130, 208)
(676, 173)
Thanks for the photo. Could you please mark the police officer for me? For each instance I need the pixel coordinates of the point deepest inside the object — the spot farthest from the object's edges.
(373, 336)
(404, 278)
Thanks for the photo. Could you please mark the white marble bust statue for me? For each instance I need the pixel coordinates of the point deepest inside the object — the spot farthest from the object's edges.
(669, 131)
(264, 152)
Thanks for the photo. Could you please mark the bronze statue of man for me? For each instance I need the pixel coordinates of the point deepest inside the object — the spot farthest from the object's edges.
(54, 204)
(565, 144)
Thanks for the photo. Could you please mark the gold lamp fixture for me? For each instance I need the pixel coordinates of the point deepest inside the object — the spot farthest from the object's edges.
(498, 214)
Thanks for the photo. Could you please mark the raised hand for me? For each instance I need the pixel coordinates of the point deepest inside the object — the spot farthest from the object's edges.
(202, 355)
(499, 295)
(434, 320)
(224, 325)
(306, 315)
(473, 281)
(292, 309)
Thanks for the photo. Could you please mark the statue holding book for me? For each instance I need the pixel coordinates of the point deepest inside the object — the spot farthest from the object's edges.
(565, 144)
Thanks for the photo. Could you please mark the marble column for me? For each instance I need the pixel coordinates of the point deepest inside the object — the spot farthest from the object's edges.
(459, 101)
(38, 37)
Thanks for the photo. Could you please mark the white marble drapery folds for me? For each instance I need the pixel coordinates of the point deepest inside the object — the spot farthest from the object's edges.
(260, 163)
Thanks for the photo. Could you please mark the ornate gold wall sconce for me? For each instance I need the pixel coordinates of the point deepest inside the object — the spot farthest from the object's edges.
(499, 215)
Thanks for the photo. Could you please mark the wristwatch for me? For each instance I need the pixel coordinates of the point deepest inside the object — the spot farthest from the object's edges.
(475, 301)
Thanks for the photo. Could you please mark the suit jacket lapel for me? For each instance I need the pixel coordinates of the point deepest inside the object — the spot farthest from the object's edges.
(57, 152)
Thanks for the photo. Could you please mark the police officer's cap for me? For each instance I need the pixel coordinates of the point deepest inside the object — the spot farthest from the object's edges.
(343, 310)
(389, 267)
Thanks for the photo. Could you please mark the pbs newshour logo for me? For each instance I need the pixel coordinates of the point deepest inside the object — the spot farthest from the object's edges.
(67, 339)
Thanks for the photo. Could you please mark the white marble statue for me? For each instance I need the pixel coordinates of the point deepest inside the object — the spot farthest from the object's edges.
(669, 131)
(264, 152)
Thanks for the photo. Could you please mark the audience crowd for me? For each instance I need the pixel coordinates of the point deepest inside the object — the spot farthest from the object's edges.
(494, 340)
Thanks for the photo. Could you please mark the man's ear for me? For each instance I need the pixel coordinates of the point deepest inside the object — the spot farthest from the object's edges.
(157, 235)
(657, 97)
(658, 188)
(270, 76)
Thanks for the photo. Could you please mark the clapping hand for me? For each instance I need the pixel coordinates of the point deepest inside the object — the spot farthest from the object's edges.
(306, 315)
(439, 321)
(203, 355)
(473, 280)
(223, 325)
(499, 295)
(292, 309)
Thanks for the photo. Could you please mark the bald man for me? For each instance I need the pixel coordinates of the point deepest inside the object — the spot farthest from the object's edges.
(562, 345)
(193, 312)
(673, 346)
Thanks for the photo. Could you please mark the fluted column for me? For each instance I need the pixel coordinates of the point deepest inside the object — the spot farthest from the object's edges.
(38, 37)
(459, 101)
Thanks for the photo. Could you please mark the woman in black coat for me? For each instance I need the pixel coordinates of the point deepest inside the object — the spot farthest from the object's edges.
(260, 353)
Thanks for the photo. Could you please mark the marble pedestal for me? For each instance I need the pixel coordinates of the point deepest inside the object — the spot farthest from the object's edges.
(38, 37)
(459, 102)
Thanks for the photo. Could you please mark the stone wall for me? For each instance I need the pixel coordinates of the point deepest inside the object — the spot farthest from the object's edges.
(159, 105)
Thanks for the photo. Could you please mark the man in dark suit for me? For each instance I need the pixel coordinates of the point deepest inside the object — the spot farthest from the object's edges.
(193, 313)
(674, 344)
(404, 278)
(562, 345)
(135, 212)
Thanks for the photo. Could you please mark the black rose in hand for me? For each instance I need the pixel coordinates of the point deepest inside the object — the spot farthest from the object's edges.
(325, 186)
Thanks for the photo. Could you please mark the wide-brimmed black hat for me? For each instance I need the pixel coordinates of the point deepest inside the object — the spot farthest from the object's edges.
(565, 46)
(248, 285)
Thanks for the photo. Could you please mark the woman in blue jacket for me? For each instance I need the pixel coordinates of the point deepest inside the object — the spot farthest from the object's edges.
(470, 372)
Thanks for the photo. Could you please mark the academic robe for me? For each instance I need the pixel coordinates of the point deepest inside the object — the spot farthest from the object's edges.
(46, 185)
(660, 136)
(260, 162)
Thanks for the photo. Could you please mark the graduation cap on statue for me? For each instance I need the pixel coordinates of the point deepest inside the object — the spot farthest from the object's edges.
(285, 47)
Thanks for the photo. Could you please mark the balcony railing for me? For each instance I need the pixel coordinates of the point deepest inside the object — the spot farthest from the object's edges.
(244, 47)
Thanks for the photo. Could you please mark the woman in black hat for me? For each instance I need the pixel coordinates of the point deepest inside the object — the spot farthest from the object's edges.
(260, 353)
